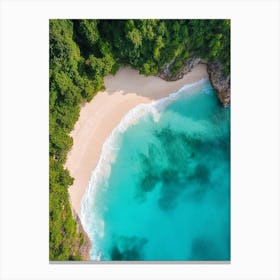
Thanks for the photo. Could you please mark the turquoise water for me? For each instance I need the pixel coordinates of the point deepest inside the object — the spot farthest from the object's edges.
(161, 190)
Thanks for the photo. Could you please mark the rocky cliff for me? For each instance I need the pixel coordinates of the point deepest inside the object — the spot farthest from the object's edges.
(219, 81)
(84, 248)
(167, 75)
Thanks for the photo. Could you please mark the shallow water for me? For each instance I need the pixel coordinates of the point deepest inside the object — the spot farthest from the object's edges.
(161, 190)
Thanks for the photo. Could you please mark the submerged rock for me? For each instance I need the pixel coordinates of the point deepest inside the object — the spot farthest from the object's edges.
(128, 248)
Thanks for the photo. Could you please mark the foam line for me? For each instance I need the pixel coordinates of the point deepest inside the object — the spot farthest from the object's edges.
(110, 149)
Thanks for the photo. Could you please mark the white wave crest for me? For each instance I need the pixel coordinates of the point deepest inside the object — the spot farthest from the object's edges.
(92, 223)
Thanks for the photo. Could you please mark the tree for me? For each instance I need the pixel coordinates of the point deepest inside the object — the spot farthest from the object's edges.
(82, 52)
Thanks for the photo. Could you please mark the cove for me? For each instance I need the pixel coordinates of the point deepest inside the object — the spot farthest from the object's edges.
(161, 189)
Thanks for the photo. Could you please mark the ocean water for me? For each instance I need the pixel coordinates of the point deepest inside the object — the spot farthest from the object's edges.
(161, 189)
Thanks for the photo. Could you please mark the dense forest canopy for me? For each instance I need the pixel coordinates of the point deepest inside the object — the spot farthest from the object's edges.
(82, 52)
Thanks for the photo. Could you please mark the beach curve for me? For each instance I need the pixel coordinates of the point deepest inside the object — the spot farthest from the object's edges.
(99, 117)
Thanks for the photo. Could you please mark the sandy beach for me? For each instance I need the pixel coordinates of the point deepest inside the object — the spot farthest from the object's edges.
(98, 118)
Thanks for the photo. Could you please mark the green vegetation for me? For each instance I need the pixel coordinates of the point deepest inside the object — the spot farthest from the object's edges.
(82, 52)
(148, 44)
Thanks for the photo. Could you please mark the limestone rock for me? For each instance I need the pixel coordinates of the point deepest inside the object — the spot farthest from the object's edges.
(188, 65)
(220, 82)
(84, 249)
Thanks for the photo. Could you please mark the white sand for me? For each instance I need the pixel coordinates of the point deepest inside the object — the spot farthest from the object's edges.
(99, 117)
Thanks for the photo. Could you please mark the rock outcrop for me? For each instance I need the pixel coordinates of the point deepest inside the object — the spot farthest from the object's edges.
(166, 74)
(84, 248)
(220, 82)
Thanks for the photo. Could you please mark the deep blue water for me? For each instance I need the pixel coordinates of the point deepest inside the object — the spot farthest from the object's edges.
(161, 191)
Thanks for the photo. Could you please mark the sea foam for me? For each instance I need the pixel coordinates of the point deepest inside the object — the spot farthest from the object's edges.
(93, 224)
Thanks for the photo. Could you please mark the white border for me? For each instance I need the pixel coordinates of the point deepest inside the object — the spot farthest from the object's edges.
(255, 138)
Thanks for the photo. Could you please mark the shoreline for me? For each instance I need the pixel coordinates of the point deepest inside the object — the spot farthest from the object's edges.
(104, 112)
